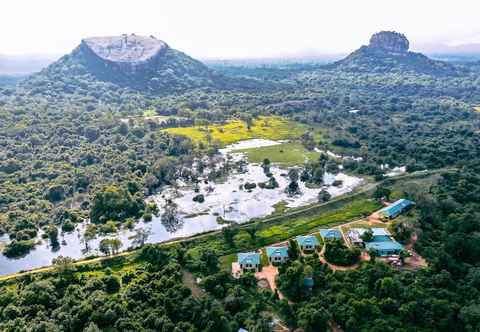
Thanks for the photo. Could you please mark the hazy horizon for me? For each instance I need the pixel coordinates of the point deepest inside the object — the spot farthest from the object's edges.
(248, 29)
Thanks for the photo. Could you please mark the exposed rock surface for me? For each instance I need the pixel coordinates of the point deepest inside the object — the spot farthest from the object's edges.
(125, 48)
(390, 41)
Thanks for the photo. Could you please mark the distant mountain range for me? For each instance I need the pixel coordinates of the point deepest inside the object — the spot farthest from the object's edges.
(449, 49)
(21, 65)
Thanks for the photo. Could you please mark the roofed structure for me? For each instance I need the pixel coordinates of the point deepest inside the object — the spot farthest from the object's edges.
(249, 260)
(354, 235)
(385, 248)
(330, 234)
(396, 208)
(277, 254)
(307, 242)
(383, 243)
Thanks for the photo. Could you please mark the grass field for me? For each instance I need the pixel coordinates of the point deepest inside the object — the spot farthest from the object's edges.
(287, 154)
(270, 127)
(419, 185)
(148, 113)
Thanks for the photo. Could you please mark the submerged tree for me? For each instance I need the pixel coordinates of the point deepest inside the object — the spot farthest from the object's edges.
(89, 234)
(324, 196)
(110, 246)
(170, 219)
(141, 236)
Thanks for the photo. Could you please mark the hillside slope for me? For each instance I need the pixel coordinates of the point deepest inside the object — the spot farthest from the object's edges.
(132, 62)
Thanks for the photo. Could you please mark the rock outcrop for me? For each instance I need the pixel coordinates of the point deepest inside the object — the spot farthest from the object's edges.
(130, 49)
(390, 41)
(388, 51)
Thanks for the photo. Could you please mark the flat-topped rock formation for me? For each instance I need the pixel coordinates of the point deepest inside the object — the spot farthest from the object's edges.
(388, 51)
(390, 41)
(125, 48)
(142, 63)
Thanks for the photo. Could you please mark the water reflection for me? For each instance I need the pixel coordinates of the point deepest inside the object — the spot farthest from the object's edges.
(180, 216)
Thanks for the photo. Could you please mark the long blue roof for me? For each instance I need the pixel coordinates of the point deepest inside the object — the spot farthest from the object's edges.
(280, 251)
(384, 245)
(396, 208)
(249, 258)
(377, 231)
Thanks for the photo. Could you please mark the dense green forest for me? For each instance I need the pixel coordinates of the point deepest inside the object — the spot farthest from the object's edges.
(72, 147)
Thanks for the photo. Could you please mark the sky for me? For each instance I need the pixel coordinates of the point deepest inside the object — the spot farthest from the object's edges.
(235, 29)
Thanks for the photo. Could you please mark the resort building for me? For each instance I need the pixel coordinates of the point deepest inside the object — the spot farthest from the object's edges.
(383, 243)
(308, 242)
(354, 235)
(249, 261)
(277, 254)
(395, 209)
(331, 234)
(308, 282)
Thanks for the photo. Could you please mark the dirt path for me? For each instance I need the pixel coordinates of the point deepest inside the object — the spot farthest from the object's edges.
(189, 281)
(269, 273)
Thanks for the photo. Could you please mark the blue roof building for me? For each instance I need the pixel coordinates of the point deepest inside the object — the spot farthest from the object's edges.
(396, 208)
(383, 243)
(277, 254)
(249, 260)
(330, 234)
(385, 248)
(308, 282)
(307, 242)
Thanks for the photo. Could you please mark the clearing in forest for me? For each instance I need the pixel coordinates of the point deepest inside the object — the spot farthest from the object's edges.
(286, 154)
(266, 127)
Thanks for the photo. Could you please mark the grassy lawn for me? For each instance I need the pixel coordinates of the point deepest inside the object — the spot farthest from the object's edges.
(306, 224)
(287, 154)
(148, 113)
(264, 258)
(226, 262)
(400, 189)
(267, 127)
(319, 238)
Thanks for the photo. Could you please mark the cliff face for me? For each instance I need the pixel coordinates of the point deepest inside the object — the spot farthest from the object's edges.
(389, 41)
(131, 49)
(388, 51)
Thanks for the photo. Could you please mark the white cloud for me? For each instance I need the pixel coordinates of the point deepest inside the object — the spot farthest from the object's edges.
(226, 28)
